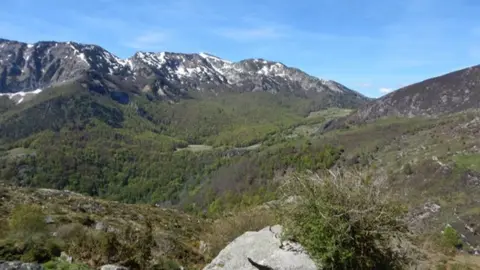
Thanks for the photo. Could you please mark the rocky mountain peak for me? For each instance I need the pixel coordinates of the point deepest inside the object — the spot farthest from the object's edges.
(27, 67)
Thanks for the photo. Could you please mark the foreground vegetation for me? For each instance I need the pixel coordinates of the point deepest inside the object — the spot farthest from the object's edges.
(347, 221)
(40, 225)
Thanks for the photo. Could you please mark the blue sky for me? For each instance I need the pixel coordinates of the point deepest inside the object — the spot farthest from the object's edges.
(372, 46)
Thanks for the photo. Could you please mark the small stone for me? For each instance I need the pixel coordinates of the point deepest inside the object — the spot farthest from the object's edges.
(99, 226)
(49, 220)
(203, 248)
(64, 256)
(113, 267)
(19, 266)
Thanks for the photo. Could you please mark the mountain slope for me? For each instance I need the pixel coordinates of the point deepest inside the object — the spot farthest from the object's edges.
(28, 67)
(450, 93)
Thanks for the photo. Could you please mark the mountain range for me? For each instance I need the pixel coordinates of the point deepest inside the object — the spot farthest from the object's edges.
(28, 67)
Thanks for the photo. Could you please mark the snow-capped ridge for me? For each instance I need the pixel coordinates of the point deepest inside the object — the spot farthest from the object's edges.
(173, 73)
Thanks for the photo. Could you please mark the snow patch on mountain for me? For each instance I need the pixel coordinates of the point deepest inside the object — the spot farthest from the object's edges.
(332, 86)
(19, 97)
(82, 57)
(210, 57)
(156, 60)
(276, 69)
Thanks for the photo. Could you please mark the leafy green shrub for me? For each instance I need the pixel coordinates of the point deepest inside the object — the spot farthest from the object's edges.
(88, 245)
(40, 250)
(137, 249)
(345, 221)
(59, 264)
(130, 247)
(9, 251)
(166, 264)
(450, 240)
(27, 237)
(27, 220)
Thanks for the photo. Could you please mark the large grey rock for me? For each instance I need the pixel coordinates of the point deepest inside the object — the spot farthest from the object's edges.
(19, 266)
(262, 250)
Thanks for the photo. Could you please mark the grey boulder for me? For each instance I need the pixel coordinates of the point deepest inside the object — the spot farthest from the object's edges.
(262, 250)
(19, 266)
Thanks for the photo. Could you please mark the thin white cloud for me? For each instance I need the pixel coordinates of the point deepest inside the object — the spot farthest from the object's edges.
(149, 41)
(385, 90)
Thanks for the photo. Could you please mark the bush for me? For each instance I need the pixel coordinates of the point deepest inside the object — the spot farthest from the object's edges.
(450, 240)
(345, 221)
(27, 238)
(40, 250)
(89, 245)
(59, 264)
(166, 264)
(130, 247)
(27, 220)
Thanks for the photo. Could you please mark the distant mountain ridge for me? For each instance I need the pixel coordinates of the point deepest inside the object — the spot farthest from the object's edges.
(449, 93)
(27, 67)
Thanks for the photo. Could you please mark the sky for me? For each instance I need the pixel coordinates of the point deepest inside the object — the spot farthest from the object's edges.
(372, 46)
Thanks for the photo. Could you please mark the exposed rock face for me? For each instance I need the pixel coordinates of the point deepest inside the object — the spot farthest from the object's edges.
(31, 67)
(19, 266)
(26, 67)
(262, 250)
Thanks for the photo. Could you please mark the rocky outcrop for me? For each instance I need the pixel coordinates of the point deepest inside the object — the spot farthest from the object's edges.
(19, 266)
(262, 250)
